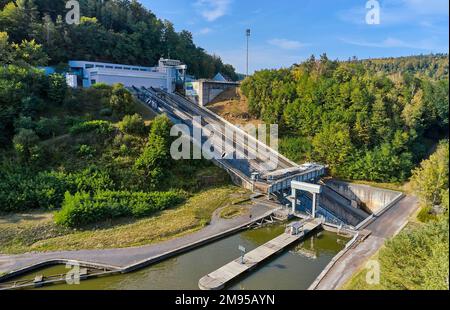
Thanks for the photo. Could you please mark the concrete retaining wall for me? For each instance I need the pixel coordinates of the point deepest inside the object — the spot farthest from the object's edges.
(375, 199)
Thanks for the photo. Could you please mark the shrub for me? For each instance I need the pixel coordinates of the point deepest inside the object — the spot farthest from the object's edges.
(86, 151)
(121, 100)
(47, 128)
(91, 179)
(24, 122)
(100, 127)
(26, 145)
(57, 88)
(82, 208)
(133, 125)
(106, 112)
(22, 190)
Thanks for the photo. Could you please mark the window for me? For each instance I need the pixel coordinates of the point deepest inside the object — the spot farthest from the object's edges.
(135, 69)
(109, 67)
(93, 82)
(99, 66)
(89, 66)
(127, 68)
(118, 68)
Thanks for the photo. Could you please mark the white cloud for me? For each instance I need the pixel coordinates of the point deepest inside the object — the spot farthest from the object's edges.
(205, 31)
(429, 45)
(212, 10)
(286, 44)
(261, 57)
(394, 12)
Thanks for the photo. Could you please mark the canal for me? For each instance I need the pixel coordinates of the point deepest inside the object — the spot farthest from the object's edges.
(296, 268)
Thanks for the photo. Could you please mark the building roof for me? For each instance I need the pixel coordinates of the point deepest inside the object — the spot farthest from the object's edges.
(222, 78)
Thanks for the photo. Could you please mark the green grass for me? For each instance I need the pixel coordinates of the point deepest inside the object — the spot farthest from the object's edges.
(37, 231)
(231, 212)
(358, 280)
(146, 113)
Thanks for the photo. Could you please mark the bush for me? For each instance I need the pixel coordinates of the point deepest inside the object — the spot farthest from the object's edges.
(24, 122)
(83, 208)
(100, 127)
(86, 151)
(48, 128)
(26, 145)
(90, 179)
(106, 112)
(133, 125)
(417, 259)
(121, 101)
(22, 190)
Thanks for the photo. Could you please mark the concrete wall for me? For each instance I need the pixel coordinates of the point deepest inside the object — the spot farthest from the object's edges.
(343, 211)
(204, 92)
(375, 199)
(131, 81)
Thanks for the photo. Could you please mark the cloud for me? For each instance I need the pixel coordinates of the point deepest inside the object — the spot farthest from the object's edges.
(205, 31)
(286, 44)
(428, 45)
(394, 12)
(261, 57)
(212, 10)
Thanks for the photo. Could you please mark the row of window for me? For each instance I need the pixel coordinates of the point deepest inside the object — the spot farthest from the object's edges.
(90, 66)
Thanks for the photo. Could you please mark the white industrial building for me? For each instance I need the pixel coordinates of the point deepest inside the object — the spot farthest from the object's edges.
(87, 73)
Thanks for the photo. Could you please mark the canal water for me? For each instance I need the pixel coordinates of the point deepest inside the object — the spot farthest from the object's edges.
(296, 268)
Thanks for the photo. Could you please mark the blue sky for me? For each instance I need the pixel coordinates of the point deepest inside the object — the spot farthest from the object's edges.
(288, 31)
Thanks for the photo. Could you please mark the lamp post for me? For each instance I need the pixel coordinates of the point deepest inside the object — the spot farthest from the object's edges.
(247, 33)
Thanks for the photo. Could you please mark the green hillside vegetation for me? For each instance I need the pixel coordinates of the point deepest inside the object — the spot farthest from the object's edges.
(118, 31)
(418, 258)
(84, 150)
(366, 120)
(432, 66)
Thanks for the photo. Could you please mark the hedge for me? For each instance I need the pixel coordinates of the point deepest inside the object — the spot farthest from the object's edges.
(23, 189)
(83, 208)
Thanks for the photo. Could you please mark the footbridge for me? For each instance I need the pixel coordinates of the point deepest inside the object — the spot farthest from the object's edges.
(249, 162)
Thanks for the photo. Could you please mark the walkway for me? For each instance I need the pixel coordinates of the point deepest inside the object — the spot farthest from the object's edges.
(122, 258)
(219, 279)
(383, 228)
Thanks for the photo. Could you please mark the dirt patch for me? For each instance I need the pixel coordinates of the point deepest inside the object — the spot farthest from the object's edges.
(233, 106)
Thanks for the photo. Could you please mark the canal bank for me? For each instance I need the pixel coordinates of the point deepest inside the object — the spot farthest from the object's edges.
(295, 268)
(129, 259)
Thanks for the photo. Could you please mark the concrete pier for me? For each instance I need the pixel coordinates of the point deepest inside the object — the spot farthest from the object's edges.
(219, 279)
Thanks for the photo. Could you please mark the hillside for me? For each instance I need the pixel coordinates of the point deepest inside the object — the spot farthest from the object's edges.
(431, 66)
(366, 123)
(233, 107)
(116, 31)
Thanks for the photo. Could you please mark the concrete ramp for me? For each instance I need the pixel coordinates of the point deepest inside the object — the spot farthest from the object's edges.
(341, 207)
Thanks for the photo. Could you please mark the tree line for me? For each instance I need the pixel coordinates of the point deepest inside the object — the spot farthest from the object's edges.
(118, 31)
(365, 122)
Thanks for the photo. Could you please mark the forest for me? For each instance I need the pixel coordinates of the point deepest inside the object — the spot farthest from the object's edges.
(118, 31)
(88, 154)
(368, 120)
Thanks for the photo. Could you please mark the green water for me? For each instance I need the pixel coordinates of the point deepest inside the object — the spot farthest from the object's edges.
(296, 268)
